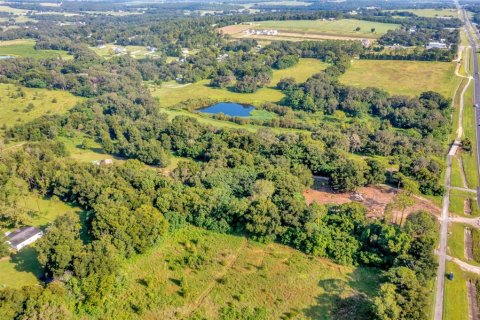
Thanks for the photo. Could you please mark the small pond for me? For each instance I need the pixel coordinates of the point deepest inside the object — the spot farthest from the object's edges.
(229, 108)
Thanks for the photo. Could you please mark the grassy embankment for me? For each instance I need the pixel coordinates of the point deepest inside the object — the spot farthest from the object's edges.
(469, 159)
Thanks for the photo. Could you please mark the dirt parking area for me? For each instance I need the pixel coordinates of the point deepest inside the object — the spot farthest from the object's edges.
(374, 198)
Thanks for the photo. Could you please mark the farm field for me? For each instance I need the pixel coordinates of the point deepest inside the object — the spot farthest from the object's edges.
(15, 108)
(172, 93)
(25, 48)
(234, 272)
(396, 76)
(343, 27)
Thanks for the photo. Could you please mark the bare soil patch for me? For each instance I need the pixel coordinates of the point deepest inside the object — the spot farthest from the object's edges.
(467, 206)
(375, 198)
(473, 312)
(468, 244)
(234, 29)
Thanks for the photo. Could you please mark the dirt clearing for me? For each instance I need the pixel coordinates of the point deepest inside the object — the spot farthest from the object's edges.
(374, 198)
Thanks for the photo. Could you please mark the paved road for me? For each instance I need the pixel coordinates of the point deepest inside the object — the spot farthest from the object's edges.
(442, 250)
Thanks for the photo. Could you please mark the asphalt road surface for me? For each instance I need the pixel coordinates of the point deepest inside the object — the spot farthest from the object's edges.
(442, 256)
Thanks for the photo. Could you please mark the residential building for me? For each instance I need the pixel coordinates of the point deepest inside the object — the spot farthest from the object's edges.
(24, 236)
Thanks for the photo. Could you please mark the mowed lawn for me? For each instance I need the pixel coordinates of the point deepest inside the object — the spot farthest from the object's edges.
(198, 272)
(19, 104)
(455, 296)
(342, 27)
(172, 93)
(402, 77)
(25, 48)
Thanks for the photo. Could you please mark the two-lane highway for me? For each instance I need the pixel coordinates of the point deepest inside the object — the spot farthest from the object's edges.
(444, 219)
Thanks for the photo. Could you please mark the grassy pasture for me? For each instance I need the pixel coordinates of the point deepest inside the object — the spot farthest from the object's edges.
(15, 108)
(402, 77)
(343, 27)
(171, 93)
(233, 271)
(25, 48)
(432, 13)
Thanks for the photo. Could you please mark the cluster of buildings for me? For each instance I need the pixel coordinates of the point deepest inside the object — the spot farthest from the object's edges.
(438, 45)
(266, 32)
(104, 162)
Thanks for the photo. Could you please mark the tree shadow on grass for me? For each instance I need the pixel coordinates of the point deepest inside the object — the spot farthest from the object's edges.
(344, 299)
(26, 261)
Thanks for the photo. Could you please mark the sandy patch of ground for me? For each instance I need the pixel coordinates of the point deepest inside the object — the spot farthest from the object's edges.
(234, 29)
(374, 198)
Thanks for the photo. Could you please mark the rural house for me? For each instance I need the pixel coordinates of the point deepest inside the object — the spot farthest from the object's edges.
(24, 236)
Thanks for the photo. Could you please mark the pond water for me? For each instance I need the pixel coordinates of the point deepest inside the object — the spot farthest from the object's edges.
(229, 108)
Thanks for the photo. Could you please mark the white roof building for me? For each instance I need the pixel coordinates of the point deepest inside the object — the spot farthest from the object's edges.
(24, 236)
(437, 45)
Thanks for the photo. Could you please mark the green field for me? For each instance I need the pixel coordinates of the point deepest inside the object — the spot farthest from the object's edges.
(15, 103)
(172, 93)
(455, 297)
(24, 48)
(402, 77)
(432, 13)
(233, 271)
(343, 27)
